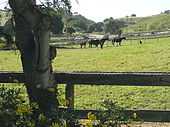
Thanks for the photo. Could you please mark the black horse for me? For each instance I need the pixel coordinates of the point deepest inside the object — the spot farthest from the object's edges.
(97, 42)
(118, 40)
(93, 42)
(102, 41)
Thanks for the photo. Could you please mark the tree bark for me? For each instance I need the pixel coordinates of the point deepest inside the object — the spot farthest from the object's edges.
(32, 39)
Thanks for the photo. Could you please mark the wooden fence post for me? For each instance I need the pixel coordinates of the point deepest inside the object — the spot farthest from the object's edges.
(69, 96)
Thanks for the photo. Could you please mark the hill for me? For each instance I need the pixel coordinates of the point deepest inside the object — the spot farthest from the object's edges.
(160, 22)
(80, 23)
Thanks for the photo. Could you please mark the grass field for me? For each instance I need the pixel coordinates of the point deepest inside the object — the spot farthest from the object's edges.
(152, 55)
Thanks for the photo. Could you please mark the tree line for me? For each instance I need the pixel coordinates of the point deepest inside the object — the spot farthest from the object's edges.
(79, 23)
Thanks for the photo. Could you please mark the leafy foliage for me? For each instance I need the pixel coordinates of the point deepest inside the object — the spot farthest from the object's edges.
(13, 110)
(113, 116)
(63, 6)
(96, 27)
(69, 30)
(113, 26)
(16, 112)
(57, 25)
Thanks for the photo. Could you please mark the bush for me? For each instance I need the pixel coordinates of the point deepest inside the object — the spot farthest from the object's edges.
(14, 111)
(112, 116)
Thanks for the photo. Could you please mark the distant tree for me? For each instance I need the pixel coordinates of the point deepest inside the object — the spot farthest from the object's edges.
(69, 30)
(113, 26)
(109, 25)
(57, 25)
(91, 28)
(133, 15)
(99, 27)
(96, 27)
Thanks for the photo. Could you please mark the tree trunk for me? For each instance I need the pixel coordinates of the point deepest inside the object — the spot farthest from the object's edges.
(32, 39)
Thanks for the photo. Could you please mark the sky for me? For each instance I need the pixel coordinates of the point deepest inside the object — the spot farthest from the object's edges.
(98, 10)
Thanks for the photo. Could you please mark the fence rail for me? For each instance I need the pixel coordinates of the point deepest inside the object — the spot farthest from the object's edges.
(148, 37)
(99, 78)
(104, 78)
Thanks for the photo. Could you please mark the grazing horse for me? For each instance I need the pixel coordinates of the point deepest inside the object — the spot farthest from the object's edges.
(118, 40)
(93, 42)
(102, 41)
(83, 43)
(97, 42)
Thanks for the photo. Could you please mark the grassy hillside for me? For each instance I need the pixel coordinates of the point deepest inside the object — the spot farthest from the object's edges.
(153, 55)
(151, 23)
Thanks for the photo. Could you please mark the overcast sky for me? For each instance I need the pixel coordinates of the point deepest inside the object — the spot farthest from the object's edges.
(98, 10)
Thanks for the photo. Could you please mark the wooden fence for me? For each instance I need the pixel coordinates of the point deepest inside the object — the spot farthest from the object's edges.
(104, 78)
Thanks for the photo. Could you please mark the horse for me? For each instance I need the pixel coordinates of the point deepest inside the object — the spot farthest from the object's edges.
(93, 42)
(83, 43)
(97, 42)
(118, 40)
(102, 41)
(81, 40)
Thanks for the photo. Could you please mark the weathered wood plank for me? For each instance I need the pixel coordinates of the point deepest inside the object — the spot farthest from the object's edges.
(143, 115)
(122, 78)
(117, 78)
(85, 78)
(11, 77)
(69, 89)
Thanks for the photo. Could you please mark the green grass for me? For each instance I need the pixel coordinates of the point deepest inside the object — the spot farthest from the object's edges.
(88, 97)
(10, 61)
(152, 55)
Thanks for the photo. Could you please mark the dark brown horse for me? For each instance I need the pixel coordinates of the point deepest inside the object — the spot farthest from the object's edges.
(93, 42)
(83, 43)
(118, 40)
(97, 42)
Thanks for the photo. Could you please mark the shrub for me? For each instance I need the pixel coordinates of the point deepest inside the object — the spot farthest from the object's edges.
(14, 111)
(112, 116)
